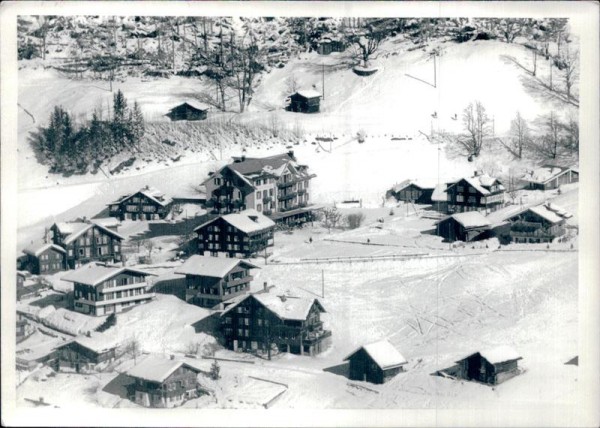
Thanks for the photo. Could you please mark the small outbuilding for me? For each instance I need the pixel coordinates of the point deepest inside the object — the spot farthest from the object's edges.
(550, 177)
(305, 101)
(413, 191)
(376, 362)
(189, 110)
(85, 354)
(44, 259)
(492, 366)
(466, 226)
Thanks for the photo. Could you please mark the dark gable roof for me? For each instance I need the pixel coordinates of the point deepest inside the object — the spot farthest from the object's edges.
(255, 165)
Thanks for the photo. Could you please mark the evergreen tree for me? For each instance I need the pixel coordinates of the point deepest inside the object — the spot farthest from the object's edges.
(120, 120)
(137, 123)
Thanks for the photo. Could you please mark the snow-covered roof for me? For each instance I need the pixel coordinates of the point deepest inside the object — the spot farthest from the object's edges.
(258, 165)
(309, 93)
(97, 342)
(157, 369)
(498, 354)
(480, 182)
(95, 273)
(217, 267)
(196, 104)
(151, 193)
(551, 212)
(420, 183)
(248, 221)
(439, 193)
(283, 306)
(76, 229)
(471, 219)
(39, 249)
(545, 173)
(383, 353)
(107, 221)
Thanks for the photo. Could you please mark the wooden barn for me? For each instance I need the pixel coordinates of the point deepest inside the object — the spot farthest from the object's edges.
(242, 234)
(412, 191)
(44, 259)
(542, 223)
(84, 354)
(305, 101)
(264, 320)
(162, 382)
(466, 227)
(211, 281)
(550, 177)
(188, 110)
(328, 45)
(493, 366)
(376, 362)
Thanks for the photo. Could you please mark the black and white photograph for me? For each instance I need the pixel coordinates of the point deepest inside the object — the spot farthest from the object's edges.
(296, 207)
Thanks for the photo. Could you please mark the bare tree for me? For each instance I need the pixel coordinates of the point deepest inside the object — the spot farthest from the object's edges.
(354, 220)
(133, 348)
(570, 61)
(476, 123)
(571, 131)
(291, 84)
(366, 43)
(548, 144)
(520, 136)
(510, 28)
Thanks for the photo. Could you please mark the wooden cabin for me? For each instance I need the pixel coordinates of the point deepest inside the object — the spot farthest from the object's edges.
(542, 223)
(162, 382)
(376, 362)
(327, 45)
(263, 321)
(44, 259)
(210, 281)
(146, 204)
(412, 191)
(84, 354)
(492, 367)
(550, 177)
(86, 242)
(466, 227)
(242, 234)
(478, 193)
(101, 290)
(188, 110)
(306, 101)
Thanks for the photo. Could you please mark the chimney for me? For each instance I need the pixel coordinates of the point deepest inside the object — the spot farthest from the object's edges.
(476, 173)
(172, 357)
(243, 158)
(283, 298)
(291, 154)
(88, 333)
(41, 399)
(265, 287)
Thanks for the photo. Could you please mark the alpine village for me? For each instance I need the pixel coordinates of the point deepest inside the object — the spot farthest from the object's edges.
(299, 237)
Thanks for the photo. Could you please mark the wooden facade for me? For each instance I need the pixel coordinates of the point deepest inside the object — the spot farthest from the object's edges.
(476, 367)
(185, 111)
(82, 359)
(412, 193)
(364, 368)
(557, 177)
(470, 195)
(209, 289)
(254, 325)
(530, 227)
(141, 205)
(163, 389)
(87, 242)
(305, 103)
(219, 236)
(102, 290)
(452, 229)
(44, 260)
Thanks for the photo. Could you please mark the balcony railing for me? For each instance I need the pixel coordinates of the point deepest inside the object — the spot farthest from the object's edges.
(238, 281)
(316, 336)
(118, 300)
(287, 196)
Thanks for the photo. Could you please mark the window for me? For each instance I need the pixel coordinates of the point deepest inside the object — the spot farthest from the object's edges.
(70, 252)
(472, 199)
(471, 189)
(259, 207)
(135, 199)
(258, 194)
(240, 332)
(460, 198)
(81, 252)
(116, 248)
(98, 239)
(217, 181)
(99, 251)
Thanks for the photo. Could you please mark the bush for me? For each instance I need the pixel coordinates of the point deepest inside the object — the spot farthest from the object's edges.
(355, 220)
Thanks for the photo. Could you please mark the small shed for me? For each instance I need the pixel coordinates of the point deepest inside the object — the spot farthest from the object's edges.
(376, 362)
(306, 101)
(492, 366)
(188, 110)
(413, 191)
(85, 354)
(467, 226)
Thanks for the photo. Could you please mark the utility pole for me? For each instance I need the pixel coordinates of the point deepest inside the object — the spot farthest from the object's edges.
(323, 283)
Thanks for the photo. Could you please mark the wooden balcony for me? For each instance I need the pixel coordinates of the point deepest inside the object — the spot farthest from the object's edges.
(289, 195)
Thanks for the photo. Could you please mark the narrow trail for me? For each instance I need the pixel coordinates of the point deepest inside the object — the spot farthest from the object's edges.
(27, 111)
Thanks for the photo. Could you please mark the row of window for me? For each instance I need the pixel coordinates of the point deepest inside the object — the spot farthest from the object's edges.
(88, 240)
(56, 256)
(50, 266)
